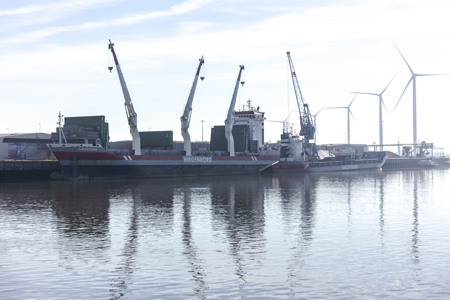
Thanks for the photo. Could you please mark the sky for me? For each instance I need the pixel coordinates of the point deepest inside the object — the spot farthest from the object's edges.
(55, 58)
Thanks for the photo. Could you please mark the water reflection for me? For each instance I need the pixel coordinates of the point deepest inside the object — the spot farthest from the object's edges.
(298, 200)
(415, 230)
(227, 237)
(349, 203)
(413, 182)
(415, 251)
(122, 275)
(197, 270)
(378, 191)
(81, 210)
(82, 223)
(298, 203)
(157, 209)
(381, 207)
(238, 211)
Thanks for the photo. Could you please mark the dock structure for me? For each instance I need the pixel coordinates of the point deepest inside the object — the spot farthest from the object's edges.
(19, 170)
(404, 163)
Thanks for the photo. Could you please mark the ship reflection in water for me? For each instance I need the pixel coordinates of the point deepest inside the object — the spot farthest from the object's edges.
(346, 235)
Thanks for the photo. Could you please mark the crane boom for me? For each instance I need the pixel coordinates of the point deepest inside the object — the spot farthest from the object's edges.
(230, 115)
(186, 117)
(131, 113)
(307, 129)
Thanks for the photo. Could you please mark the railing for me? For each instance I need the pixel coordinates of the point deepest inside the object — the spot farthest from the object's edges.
(340, 162)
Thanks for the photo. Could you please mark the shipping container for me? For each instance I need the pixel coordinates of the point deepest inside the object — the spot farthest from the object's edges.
(85, 129)
(240, 136)
(157, 139)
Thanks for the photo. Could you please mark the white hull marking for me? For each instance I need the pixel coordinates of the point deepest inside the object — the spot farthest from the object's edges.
(197, 159)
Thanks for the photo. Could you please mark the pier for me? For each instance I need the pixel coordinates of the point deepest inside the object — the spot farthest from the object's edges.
(17, 170)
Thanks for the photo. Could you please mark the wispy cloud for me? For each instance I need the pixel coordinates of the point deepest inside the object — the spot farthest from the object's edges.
(179, 9)
(59, 7)
(21, 11)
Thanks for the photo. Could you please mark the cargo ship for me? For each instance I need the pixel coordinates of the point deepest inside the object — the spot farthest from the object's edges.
(160, 155)
(90, 162)
(236, 148)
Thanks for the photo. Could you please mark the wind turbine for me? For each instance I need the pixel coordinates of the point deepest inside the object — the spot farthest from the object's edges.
(413, 79)
(349, 112)
(380, 109)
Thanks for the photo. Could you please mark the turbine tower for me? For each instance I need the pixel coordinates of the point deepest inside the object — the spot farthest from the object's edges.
(315, 124)
(349, 112)
(380, 110)
(413, 79)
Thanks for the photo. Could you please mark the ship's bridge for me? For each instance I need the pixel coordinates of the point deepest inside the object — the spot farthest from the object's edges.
(254, 119)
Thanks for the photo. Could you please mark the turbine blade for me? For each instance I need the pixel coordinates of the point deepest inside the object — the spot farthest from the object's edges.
(288, 115)
(364, 93)
(388, 84)
(437, 74)
(320, 110)
(404, 91)
(335, 107)
(351, 114)
(404, 59)
(353, 98)
(382, 102)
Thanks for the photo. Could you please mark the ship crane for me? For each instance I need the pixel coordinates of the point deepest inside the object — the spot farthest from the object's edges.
(307, 128)
(230, 115)
(186, 117)
(131, 113)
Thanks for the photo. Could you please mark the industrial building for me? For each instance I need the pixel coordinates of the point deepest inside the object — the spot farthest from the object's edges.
(24, 146)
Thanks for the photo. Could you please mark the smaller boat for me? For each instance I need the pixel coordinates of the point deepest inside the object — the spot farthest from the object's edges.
(294, 160)
(371, 160)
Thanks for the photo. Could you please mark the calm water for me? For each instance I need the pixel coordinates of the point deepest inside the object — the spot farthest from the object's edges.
(355, 235)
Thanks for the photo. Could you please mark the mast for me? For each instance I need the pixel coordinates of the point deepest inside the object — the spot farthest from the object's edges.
(60, 130)
(131, 113)
(307, 128)
(186, 117)
(230, 115)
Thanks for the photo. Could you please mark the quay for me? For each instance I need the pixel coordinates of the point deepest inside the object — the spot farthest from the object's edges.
(17, 170)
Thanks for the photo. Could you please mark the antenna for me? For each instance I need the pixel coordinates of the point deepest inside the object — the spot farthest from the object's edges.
(60, 130)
